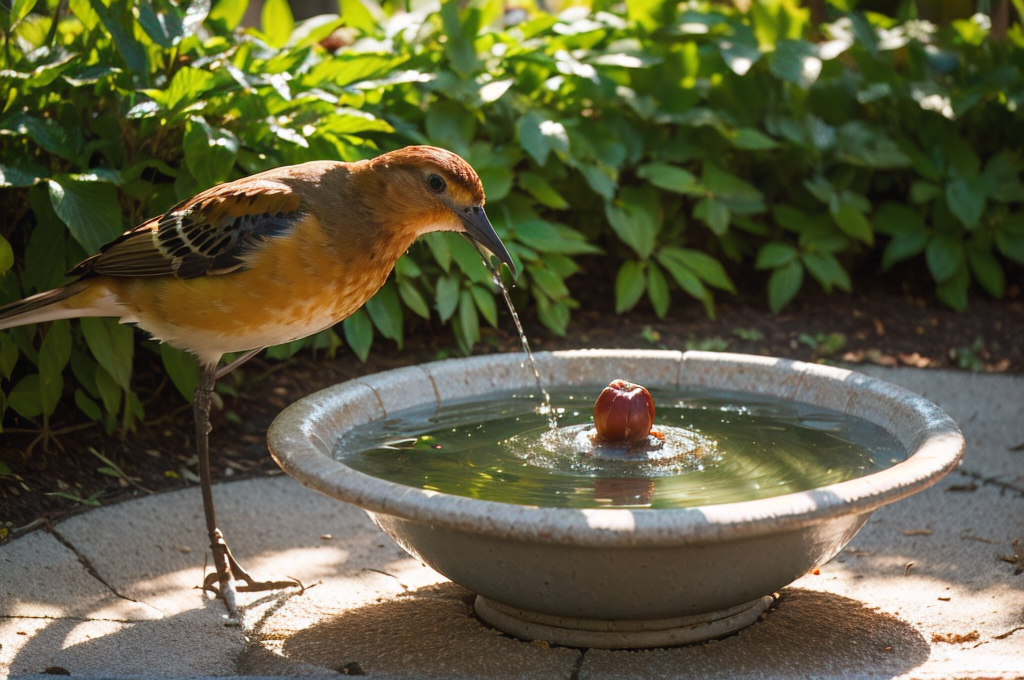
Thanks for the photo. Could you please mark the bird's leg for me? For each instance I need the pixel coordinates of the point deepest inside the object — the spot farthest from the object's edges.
(223, 582)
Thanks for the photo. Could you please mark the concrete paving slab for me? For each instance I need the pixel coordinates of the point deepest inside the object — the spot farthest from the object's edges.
(178, 646)
(39, 572)
(274, 527)
(376, 610)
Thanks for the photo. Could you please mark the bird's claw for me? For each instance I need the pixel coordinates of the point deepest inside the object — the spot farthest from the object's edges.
(225, 585)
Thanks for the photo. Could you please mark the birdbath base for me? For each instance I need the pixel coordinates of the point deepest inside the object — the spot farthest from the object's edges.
(600, 634)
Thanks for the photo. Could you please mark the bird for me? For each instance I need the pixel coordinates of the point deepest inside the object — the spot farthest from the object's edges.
(264, 260)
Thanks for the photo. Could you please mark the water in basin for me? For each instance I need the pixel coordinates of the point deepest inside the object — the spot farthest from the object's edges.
(714, 448)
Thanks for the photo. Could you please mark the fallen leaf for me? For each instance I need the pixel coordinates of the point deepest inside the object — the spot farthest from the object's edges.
(1018, 447)
(970, 486)
(955, 638)
(326, 537)
(944, 599)
(879, 327)
(998, 367)
(915, 359)
(906, 568)
(917, 532)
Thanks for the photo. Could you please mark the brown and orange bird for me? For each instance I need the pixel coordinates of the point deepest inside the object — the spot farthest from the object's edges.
(265, 260)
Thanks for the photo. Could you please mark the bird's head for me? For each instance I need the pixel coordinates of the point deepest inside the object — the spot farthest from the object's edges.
(432, 189)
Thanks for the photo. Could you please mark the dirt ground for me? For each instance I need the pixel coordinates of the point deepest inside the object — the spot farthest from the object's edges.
(891, 320)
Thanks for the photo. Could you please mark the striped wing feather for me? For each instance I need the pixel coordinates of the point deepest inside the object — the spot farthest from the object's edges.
(206, 235)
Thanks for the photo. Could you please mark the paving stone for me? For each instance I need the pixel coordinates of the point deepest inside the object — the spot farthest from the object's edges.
(38, 574)
(422, 633)
(157, 549)
(183, 645)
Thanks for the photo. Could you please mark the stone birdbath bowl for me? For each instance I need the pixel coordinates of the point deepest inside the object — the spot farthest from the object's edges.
(618, 578)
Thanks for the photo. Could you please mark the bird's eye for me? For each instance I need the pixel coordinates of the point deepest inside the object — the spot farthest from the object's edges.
(436, 183)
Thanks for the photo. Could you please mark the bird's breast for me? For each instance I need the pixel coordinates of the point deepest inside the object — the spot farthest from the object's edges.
(292, 287)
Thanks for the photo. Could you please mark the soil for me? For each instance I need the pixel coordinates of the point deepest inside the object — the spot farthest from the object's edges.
(888, 320)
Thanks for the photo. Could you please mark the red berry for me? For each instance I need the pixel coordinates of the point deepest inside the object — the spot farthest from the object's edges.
(624, 413)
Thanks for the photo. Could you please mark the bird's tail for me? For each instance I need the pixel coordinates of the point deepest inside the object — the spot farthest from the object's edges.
(42, 307)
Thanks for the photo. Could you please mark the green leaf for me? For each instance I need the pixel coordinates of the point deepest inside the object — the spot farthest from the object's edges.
(601, 179)
(8, 356)
(485, 303)
(6, 255)
(469, 320)
(11, 176)
(210, 152)
(1010, 238)
(1001, 178)
(966, 200)
(89, 209)
(861, 144)
(112, 344)
(228, 13)
(25, 398)
(277, 22)
(163, 28)
(987, 270)
(853, 223)
(19, 9)
(360, 15)
(359, 333)
(953, 291)
(545, 237)
(461, 33)
(707, 268)
(385, 310)
(87, 406)
(945, 256)
(775, 255)
(187, 85)
(827, 270)
(540, 189)
(118, 19)
(468, 258)
(670, 177)
(549, 282)
(182, 368)
(629, 286)
(634, 218)
(450, 125)
(713, 213)
(752, 139)
(784, 284)
(447, 296)
(923, 192)
(46, 132)
(413, 299)
(438, 245)
(657, 290)
(650, 14)
(539, 136)
(54, 354)
(795, 61)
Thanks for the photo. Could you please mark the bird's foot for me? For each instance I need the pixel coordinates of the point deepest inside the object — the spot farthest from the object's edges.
(224, 582)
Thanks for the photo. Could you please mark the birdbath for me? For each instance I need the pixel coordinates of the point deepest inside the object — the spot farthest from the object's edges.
(625, 572)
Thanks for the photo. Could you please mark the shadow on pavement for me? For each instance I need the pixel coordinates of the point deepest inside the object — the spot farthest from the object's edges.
(433, 631)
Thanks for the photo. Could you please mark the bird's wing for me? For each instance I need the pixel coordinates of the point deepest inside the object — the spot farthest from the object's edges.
(205, 235)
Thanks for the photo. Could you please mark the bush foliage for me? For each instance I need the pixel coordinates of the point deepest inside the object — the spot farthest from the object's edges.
(672, 139)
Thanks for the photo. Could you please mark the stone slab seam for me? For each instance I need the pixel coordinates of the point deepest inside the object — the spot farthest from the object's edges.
(993, 481)
(88, 565)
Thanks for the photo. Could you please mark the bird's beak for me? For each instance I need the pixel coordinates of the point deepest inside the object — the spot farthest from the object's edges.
(480, 231)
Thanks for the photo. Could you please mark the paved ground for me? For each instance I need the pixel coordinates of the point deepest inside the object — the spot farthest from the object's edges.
(920, 593)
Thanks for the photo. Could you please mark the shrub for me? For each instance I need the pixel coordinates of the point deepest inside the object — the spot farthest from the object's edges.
(669, 138)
